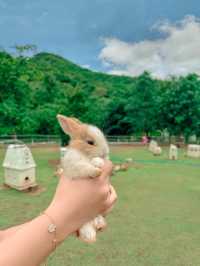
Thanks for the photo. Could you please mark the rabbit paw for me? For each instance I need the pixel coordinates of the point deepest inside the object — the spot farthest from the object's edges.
(59, 171)
(96, 172)
(87, 233)
(97, 162)
(100, 223)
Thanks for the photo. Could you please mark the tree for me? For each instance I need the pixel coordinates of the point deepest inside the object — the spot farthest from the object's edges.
(180, 106)
(34, 89)
(141, 106)
(14, 93)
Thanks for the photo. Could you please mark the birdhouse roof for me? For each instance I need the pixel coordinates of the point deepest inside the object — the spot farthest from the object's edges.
(18, 156)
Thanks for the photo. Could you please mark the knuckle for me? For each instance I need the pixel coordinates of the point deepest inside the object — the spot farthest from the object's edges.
(115, 197)
(105, 207)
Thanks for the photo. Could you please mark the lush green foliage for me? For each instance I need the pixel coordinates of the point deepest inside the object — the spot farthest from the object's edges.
(34, 89)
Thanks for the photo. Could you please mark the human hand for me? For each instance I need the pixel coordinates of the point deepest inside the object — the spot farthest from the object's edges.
(79, 201)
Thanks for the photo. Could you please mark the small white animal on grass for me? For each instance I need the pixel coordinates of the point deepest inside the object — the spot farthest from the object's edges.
(84, 158)
(157, 151)
(129, 160)
(173, 152)
(152, 145)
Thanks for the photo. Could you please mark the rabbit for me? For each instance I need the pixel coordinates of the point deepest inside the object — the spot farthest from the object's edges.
(157, 150)
(173, 152)
(84, 157)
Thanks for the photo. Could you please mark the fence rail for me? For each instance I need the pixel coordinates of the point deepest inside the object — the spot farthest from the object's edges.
(30, 139)
(55, 139)
(160, 139)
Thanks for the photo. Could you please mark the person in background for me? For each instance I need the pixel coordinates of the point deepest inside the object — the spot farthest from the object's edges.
(145, 140)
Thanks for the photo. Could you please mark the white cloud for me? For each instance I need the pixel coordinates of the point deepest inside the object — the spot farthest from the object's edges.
(86, 66)
(176, 54)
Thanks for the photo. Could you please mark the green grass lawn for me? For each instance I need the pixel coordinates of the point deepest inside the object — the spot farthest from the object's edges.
(155, 222)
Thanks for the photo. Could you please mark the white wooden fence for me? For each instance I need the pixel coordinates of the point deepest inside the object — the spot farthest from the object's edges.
(55, 139)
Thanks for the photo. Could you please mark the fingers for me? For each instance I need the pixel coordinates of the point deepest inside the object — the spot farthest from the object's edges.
(112, 198)
(110, 201)
(106, 170)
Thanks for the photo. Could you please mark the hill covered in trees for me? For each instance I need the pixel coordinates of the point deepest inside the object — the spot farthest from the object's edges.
(34, 89)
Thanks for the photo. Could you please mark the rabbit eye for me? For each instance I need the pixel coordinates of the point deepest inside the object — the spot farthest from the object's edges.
(90, 142)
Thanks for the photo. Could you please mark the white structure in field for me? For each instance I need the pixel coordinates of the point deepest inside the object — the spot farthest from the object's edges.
(157, 150)
(154, 148)
(19, 167)
(193, 151)
(152, 145)
(173, 152)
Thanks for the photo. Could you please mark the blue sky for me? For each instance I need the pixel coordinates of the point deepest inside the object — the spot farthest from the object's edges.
(80, 29)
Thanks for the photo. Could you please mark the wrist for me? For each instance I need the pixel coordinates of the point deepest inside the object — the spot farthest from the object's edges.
(61, 220)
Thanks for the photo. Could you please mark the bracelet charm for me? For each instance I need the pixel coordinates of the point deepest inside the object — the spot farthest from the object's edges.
(51, 228)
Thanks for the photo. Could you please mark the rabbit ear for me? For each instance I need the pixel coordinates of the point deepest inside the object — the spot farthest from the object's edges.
(71, 126)
(76, 120)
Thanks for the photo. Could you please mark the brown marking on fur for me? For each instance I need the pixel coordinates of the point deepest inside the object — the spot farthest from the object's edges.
(80, 135)
(70, 126)
(90, 136)
(79, 142)
(83, 146)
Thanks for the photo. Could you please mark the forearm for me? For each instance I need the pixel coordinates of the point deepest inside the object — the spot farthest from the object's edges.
(10, 231)
(29, 245)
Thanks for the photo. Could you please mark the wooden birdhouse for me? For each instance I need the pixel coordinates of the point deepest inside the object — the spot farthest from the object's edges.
(19, 167)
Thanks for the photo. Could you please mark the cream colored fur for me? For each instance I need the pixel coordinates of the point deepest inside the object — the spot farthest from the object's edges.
(84, 161)
(77, 165)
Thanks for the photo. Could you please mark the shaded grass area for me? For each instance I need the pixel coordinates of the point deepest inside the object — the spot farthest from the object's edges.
(155, 222)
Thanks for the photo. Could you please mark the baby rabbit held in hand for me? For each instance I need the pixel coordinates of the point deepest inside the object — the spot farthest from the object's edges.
(84, 158)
